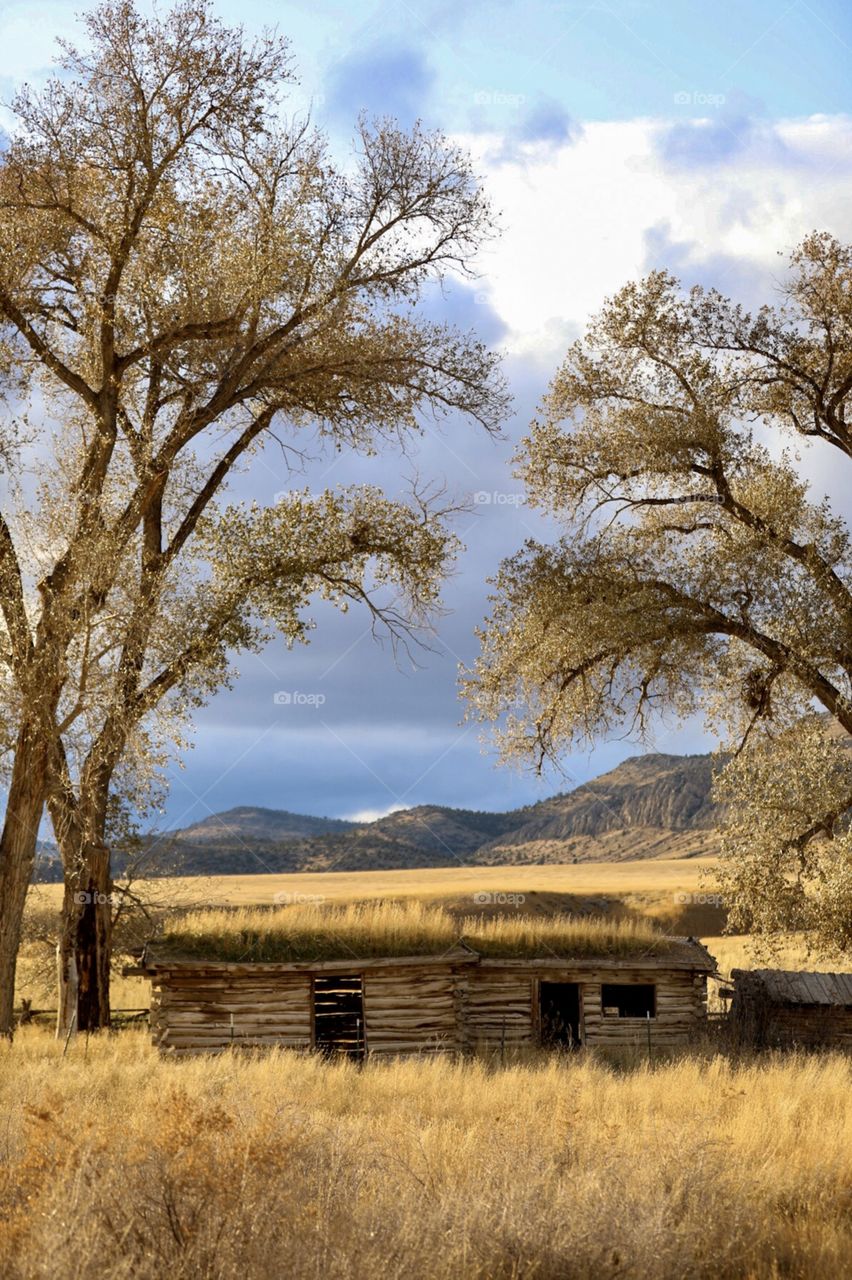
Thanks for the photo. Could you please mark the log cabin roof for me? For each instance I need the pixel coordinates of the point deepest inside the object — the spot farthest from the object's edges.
(671, 953)
(787, 987)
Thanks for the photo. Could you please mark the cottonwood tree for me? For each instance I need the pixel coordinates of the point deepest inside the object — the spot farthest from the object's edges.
(251, 573)
(695, 571)
(185, 273)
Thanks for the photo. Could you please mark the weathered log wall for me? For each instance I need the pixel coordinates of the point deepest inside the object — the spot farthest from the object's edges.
(410, 1008)
(502, 1004)
(499, 1009)
(811, 1027)
(192, 1011)
(760, 1024)
(411, 1011)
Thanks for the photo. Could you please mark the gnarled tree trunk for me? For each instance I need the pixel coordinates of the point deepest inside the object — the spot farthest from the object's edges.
(18, 845)
(85, 945)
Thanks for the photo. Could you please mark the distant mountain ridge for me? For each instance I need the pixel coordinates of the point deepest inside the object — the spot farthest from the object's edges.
(667, 792)
(653, 805)
(249, 822)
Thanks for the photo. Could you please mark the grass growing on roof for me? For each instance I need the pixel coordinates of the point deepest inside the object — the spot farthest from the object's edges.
(315, 931)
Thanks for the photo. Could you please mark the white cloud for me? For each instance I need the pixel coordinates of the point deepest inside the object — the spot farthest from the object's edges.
(372, 815)
(577, 219)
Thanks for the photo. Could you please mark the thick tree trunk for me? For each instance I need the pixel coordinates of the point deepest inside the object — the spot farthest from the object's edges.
(18, 845)
(85, 947)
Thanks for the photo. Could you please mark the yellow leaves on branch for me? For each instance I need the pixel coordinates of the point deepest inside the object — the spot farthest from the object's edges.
(696, 571)
(185, 273)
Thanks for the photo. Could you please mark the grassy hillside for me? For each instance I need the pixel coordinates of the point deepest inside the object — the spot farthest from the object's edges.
(251, 823)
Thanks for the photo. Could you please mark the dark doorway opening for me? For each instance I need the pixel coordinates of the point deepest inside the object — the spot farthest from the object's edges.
(560, 1015)
(339, 1015)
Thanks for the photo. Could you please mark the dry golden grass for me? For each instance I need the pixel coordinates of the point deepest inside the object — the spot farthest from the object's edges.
(117, 1164)
(736, 952)
(657, 876)
(635, 891)
(319, 931)
(31, 984)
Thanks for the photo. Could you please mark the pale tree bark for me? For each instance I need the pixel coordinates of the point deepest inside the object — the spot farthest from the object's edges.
(66, 986)
(37, 662)
(18, 845)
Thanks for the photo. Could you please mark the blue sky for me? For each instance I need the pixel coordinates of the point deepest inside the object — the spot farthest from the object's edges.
(612, 137)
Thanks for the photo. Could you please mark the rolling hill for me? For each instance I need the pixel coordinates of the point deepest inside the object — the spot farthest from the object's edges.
(247, 823)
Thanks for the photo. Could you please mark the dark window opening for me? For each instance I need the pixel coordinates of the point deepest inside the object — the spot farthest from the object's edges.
(629, 1000)
(560, 1015)
(339, 1015)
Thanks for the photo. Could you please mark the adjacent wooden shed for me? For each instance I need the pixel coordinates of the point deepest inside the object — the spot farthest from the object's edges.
(775, 1008)
(459, 1001)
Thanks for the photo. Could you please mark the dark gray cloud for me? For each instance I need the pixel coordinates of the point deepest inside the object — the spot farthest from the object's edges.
(521, 122)
(465, 306)
(357, 729)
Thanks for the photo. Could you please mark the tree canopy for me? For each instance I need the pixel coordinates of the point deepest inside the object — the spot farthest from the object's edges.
(186, 273)
(695, 571)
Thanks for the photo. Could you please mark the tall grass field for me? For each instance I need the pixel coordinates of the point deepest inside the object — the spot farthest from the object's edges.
(122, 1164)
(117, 1163)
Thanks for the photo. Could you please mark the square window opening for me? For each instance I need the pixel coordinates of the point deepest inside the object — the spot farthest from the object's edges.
(629, 1000)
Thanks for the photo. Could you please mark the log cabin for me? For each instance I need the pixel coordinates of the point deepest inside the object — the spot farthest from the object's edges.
(460, 1001)
(774, 1008)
